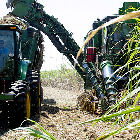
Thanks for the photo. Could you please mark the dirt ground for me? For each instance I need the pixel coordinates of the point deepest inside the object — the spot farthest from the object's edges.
(61, 117)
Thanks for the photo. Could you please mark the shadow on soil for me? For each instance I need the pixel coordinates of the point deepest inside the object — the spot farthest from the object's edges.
(49, 101)
(49, 106)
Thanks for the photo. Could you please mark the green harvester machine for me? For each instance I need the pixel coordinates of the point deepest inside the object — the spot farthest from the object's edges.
(21, 54)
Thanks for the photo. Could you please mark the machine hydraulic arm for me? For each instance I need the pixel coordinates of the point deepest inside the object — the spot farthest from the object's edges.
(33, 13)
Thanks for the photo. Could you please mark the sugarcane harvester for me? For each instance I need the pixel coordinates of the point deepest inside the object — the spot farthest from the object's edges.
(108, 50)
(21, 54)
(95, 64)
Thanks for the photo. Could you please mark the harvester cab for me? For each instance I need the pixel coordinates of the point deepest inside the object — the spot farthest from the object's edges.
(9, 55)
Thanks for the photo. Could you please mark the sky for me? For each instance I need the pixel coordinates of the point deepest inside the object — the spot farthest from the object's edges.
(77, 17)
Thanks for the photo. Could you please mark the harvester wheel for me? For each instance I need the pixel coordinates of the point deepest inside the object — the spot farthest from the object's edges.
(36, 92)
(21, 105)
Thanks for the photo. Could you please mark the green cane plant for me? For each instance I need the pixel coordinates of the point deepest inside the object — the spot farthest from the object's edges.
(34, 132)
(132, 90)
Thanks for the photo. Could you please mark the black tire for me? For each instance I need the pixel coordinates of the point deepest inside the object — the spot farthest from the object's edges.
(19, 109)
(36, 92)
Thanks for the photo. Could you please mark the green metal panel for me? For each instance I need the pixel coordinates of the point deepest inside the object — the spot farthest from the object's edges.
(98, 39)
(24, 65)
(29, 43)
(22, 7)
